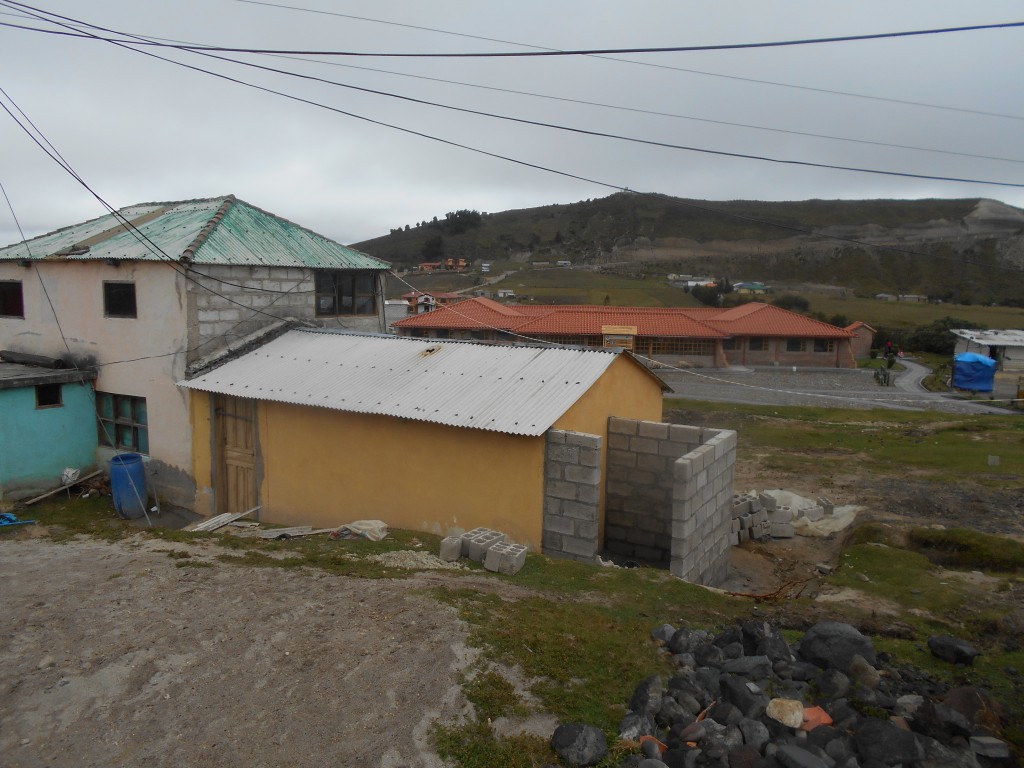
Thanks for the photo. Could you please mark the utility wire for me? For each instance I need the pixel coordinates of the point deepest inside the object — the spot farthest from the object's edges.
(522, 121)
(564, 174)
(549, 97)
(704, 73)
(592, 51)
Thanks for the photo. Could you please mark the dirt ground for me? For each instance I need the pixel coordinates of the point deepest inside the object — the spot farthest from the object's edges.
(110, 655)
(113, 655)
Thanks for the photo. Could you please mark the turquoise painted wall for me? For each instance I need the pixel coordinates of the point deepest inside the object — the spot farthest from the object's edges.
(36, 444)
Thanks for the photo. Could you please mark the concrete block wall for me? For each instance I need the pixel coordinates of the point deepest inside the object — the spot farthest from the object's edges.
(702, 509)
(215, 316)
(572, 494)
(639, 488)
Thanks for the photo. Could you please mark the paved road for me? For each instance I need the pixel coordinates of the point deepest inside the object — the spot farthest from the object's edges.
(838, 388)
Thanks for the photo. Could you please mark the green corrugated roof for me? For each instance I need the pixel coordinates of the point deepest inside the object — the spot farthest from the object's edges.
(220, 230)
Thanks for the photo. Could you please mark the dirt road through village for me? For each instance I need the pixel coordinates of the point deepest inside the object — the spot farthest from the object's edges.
(111, 655)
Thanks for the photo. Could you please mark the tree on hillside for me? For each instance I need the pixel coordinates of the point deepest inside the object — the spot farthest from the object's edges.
(433, 249)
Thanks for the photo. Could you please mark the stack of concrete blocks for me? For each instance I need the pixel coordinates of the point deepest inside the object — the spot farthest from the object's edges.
(483, 545)
(572, 494)
(749, 517)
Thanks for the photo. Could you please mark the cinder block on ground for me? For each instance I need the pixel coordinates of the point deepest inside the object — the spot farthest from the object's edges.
(505, 558)
(761, 516)
(827, 505)
(451, 549)
(746, 522)
(814, 514)
(756, 533)
(782, 531)
(768, 502)
(479, 540)
(783, 515)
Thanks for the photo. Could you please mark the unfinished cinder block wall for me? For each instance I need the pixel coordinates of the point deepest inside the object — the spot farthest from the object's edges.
(572, 494)
(669, 496)
(702, 508)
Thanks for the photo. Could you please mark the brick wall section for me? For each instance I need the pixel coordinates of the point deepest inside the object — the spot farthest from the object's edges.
(572, 494)
(219, 320)
(638, 501)
(702, 509)
(669, 496)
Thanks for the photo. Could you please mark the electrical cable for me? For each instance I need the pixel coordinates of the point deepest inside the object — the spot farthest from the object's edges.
(587, 51)
(704, 73)
(523, 121)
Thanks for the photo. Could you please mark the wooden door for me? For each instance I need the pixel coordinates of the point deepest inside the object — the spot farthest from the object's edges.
(235, 439)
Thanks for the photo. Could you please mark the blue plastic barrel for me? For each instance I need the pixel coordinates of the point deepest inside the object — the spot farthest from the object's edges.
(128, 485)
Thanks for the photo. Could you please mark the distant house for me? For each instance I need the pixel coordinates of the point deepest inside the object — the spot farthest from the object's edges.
(750, 288)
(753, 334)
(147, 302)
(425, 301)
(324, 428)
(48, 424)
(864, 339)
(1005, 347)
(506, 293)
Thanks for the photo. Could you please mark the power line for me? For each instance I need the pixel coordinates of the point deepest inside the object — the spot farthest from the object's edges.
(593, 51)
(703, 73)
(564, 174)
(531, 94)
(522, 121)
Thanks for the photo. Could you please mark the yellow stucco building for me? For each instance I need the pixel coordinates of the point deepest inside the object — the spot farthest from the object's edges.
(323, 428)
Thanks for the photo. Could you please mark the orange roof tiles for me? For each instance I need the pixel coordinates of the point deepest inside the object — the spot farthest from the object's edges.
(752, 319)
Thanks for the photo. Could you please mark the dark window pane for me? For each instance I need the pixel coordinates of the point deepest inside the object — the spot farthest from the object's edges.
(143, 440)
(124, 408)
(139, 414)
(125, 437)
(48, 395)
(119, 299)
(364, 283)
(11, 302)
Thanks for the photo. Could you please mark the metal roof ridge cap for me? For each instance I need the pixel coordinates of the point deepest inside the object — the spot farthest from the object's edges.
(190, 250)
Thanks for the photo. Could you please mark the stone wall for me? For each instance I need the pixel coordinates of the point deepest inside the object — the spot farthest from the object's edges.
(669, 496)
(572, 494)
(266, 294)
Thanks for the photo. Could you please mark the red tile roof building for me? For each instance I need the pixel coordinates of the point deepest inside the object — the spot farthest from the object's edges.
(753, 334)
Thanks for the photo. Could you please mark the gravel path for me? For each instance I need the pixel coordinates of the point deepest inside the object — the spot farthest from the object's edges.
(831, 387)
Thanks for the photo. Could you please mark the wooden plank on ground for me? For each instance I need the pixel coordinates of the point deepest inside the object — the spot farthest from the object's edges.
(218, 521)
(79, 481)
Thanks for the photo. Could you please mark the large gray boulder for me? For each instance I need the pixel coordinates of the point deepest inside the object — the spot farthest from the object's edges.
(833, 644)
(579, 744)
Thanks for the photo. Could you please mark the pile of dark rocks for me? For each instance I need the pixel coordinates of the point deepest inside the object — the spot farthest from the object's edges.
(746, 698)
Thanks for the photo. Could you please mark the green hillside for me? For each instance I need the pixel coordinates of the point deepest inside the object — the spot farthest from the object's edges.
(960, 250)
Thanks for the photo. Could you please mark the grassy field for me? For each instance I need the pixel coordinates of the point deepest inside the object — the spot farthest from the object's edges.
(902, 314)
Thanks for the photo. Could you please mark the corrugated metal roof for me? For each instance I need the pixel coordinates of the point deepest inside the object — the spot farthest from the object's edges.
(220, 230)
(516, 390)
(996, 338)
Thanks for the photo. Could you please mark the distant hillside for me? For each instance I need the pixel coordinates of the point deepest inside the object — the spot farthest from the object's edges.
(960, 241)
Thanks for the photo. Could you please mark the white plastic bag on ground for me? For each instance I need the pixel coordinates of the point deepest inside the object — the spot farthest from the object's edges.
(374, 530)
(69, 475)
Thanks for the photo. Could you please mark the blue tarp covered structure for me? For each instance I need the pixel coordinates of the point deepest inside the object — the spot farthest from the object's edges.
(974, 372)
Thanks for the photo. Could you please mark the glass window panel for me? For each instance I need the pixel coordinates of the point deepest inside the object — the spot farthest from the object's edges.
(364, 283)
(105, 405)
(364, 305)
(143, 441)
(124, 408)
(139, 406)
(125, 438)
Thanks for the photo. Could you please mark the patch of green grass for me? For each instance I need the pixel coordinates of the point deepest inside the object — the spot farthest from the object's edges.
(193, 564)
(68, 518)
(473, 745)
(820, 441)
(493, 696)
(969, 550)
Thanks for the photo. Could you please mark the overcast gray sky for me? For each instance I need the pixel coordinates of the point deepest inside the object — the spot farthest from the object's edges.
(139, 129)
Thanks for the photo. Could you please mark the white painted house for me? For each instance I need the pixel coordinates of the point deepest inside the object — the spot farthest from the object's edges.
(151, 302)
(1006, 347)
